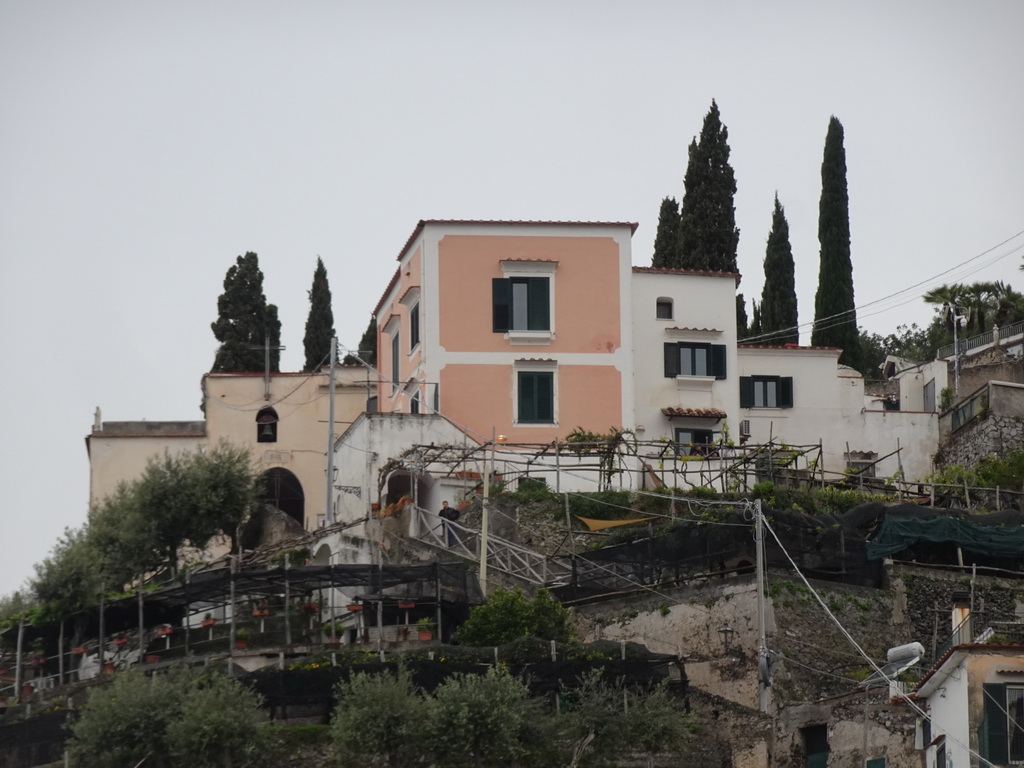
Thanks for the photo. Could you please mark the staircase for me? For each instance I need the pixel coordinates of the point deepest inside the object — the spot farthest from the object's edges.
(502, 555)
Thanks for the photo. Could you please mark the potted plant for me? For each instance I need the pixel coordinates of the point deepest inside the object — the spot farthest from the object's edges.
(333, 631)
(425, 627)
(120, 640)
(242, 635)
(208, 620)
(164, 629)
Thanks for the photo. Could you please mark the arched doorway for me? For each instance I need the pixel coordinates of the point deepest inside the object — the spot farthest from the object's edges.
(283, 490)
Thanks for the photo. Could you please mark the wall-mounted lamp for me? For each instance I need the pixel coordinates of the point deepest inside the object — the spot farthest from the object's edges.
(726, 632)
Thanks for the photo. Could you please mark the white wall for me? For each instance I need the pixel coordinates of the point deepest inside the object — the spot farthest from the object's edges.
(704, 311)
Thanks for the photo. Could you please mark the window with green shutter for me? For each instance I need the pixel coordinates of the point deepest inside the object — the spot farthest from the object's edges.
(766, 391)
(536, 397)
(685, 358)
(414, 326)
(521, 304)
(993, 742)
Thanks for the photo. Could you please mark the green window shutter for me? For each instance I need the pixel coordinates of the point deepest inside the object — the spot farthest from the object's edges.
(746, 392)
(501, 301)
(718, 360)
(993, 738)
(414, 327)
(786, 392)
(527, 397)
(536, 397)
(545, 397)
(671, 359)
(538, 304)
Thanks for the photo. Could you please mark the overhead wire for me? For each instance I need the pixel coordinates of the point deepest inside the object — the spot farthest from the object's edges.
(845, 316)
(850, 639)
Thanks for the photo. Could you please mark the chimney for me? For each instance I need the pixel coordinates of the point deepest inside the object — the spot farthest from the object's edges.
(961, 618)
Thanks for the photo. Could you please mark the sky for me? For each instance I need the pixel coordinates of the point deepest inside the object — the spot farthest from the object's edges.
(145, 145)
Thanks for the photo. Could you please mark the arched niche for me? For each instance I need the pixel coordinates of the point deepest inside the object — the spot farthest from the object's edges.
(283, 490)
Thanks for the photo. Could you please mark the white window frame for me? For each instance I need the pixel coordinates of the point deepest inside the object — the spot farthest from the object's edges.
(513, 268)
(535, 366)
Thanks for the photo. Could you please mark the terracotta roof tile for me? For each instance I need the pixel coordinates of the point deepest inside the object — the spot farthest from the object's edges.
(700, 413)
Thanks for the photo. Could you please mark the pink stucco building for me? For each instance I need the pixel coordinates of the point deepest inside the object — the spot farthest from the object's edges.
(523, 328)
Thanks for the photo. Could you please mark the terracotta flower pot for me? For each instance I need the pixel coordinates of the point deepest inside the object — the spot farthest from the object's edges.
(121, 641)
(78, 650)
(241, 644)
(152, 658)
(426, 634)
(355, 606)
(207, 622)
(406, 605)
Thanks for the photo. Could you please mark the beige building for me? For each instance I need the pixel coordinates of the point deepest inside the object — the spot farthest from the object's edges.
(282, 419)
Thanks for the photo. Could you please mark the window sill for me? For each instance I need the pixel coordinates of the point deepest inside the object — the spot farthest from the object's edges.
(535, 423)
(530, 338)
(695, 382)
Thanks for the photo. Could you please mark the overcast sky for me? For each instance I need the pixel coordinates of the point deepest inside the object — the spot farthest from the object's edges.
(144, 145)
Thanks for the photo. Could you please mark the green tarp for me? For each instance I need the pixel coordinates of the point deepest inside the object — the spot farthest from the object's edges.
(898, 534)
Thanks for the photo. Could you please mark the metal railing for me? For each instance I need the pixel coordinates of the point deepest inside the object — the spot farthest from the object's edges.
(503, 555)
(981, 340)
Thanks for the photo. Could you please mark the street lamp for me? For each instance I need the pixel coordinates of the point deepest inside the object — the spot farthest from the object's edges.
(954, 310)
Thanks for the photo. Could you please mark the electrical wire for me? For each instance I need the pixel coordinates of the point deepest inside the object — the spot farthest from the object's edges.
(846, 316)
(849, 638)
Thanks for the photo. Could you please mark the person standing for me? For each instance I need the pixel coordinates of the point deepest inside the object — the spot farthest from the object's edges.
(448, 515)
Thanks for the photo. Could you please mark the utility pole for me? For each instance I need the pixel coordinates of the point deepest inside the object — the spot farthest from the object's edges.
(484, 517)
(763, 676)
(329, 503)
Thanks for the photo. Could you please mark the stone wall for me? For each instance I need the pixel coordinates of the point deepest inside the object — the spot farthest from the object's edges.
(990, 435)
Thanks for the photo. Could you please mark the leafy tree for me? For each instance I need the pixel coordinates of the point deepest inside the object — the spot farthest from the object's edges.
(367, 346)
(221, 723)
(909, 342)
(168, 721)
(666, 241)
(708, 235)
(126, 722)
(320, 323)
(245, 320)
(607, 722)
(68, 579)
(379, 720)
(778, 297)
(187, 497)
(508, 615)
(835, 314)
(479, 720)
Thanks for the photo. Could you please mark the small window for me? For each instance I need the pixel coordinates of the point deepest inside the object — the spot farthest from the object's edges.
(266, 426)
(816, 745)
(688, 359)
(861, 464)
(521, 304)
(664, 309)
(414, 404)
(414, 326)
(694, 442)
(395, 359)
(766, 391)
(536, 399)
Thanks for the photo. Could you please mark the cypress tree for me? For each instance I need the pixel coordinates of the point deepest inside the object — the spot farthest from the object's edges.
(320, 323)
(755, 323)
(835, 316)
(245, 320)
(666, 241)
(778, 297)
(708, 235)
(367, 346)
(742, 330)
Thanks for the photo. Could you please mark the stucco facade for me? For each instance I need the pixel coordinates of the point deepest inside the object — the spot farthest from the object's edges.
(281, 420)
(517, 328)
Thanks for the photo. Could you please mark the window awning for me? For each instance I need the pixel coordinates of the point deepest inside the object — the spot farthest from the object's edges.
(694, 413)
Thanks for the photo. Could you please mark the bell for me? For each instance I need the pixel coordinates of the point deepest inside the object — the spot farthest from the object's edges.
(267, 430)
